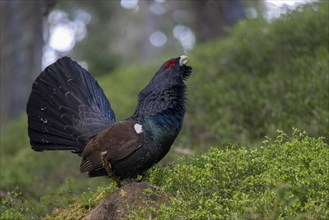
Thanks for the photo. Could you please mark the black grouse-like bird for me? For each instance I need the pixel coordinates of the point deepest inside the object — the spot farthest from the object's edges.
(67, 110)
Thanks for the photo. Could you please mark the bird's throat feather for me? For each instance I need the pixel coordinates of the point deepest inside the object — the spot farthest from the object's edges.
(164, 126)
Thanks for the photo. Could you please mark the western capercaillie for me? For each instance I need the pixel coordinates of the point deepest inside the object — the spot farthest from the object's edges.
(68, 110)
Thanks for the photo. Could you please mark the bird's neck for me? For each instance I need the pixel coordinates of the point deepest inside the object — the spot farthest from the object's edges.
(164, 126)
(161, 112)
(156, 100)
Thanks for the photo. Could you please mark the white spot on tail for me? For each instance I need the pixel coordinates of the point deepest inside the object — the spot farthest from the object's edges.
(138, 128)
(44, 120)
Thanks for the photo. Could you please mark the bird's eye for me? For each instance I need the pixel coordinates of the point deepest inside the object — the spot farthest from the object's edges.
(170, 64)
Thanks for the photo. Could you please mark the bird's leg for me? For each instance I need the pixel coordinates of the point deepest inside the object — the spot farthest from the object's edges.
(108, 169)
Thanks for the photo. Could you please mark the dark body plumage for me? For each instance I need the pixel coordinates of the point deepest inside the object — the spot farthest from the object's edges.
(67, 110)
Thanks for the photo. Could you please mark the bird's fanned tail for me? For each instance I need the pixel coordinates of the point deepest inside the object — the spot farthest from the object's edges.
(66, 108)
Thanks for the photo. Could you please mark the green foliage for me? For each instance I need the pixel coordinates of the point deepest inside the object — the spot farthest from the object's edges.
(14, 137)
(263, 77)
(287, 177)
(15, 206)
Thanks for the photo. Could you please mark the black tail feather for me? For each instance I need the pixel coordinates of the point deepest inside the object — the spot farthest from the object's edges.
(66, 108)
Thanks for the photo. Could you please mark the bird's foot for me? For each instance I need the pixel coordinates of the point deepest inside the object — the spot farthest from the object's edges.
(109, 170)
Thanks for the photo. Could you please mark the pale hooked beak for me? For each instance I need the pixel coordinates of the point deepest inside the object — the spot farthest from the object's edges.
(183, 60)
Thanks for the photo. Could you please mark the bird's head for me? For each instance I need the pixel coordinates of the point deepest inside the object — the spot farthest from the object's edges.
(166, 89)
(174, 70)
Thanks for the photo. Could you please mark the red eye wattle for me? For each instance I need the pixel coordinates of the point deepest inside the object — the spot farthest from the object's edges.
(170, 64)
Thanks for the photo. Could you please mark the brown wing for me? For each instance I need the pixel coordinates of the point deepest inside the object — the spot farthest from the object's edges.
(119, 141)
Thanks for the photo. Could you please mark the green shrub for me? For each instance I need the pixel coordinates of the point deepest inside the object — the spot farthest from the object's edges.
(262, 77)
(287, 177)
(15, 206)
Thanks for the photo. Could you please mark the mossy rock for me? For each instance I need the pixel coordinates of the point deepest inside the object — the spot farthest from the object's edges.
(136, 195)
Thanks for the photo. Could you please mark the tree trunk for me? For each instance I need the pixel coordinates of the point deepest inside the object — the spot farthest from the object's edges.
(211, 17)
(21, 53)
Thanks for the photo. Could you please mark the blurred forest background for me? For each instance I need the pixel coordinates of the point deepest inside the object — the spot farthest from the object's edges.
(258, 66)
(104, 35)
